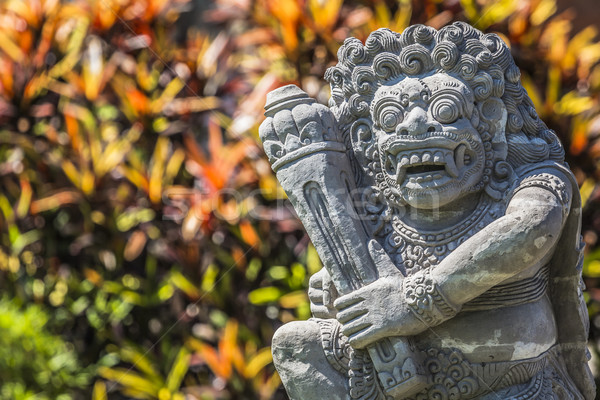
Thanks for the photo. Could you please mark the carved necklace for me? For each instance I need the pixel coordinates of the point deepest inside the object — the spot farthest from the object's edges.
(414, 250)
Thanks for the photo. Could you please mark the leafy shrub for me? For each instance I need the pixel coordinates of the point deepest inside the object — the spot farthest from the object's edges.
(35, 363)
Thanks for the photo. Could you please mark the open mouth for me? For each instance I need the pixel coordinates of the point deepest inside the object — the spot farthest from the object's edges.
(419, 169)
(427, 164)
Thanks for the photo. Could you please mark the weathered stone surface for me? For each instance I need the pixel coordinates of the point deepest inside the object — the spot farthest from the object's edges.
(447, 221)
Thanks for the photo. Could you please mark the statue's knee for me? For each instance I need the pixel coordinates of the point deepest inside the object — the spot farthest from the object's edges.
(303, 367)
(296, 340)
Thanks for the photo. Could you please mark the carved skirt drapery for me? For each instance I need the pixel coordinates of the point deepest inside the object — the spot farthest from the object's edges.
(452, 376)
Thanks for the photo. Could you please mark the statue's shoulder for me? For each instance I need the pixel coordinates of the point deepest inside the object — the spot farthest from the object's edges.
(550, 175)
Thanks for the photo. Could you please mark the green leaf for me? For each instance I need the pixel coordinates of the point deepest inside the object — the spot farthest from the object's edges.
(178, 370)
(130, 380)
(264, 295)
(141, 362)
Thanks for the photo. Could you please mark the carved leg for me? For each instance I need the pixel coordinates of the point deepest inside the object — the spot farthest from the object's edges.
(299, 358)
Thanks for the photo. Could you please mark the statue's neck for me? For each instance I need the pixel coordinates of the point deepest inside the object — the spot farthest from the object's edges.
(443, 217)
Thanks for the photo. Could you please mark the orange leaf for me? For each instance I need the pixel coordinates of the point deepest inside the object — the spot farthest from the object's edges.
(215, 138)
(290, 38)
(25, 199)
(288, 13)
(72, 126)
(135, 245)
(54, 201)
(228, 348)
(239, 257)
(105, 13)
(194, 151)
(135, 177)
(6, 78)
(138, 100)
(248, 233)
(325, 14)
(212, 359)
(93, 276)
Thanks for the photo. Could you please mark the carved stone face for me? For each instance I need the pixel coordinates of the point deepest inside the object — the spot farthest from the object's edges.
(431, 153)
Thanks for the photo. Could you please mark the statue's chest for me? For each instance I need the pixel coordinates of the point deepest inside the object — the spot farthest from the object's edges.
(413, 250)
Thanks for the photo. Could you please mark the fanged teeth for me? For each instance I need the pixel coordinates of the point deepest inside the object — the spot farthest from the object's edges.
(452, 161)
(451, 166)
(402, 162)
(459, 156)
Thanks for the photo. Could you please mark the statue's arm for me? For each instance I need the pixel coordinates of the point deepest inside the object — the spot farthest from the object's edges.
(524, 236)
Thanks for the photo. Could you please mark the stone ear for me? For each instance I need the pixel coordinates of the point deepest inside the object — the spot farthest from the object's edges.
(493, 111)
(363, 141)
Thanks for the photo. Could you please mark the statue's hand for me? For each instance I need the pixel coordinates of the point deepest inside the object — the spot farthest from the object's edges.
(376, 311)
(322, 294)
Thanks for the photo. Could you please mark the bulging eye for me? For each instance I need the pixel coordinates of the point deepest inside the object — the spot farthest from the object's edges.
(445, 110)
(389, 118)
(425, 95)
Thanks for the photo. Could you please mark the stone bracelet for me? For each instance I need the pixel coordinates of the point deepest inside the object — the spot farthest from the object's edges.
(426, 301)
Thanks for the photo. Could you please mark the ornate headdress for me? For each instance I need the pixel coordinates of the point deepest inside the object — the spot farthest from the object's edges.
(482, 61)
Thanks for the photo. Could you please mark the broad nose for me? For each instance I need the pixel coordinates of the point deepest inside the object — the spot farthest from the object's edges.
(416, 122)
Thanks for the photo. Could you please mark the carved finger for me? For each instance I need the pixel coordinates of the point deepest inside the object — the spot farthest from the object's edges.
(330, 293)
(316, 296)
(351, 314)
(361, 339)
(385, 265)
(316, 281)
(355, 328)
(347, 301)
(320, 311)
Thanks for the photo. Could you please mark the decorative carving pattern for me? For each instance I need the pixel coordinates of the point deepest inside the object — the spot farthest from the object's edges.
(550, 182)
(363, 378)
(511, 294)
(426, 300)
(415, 250)
(296, 122)
(315, 200)
(451, 375)
(539, 388)
(455, 378)
(335, 345)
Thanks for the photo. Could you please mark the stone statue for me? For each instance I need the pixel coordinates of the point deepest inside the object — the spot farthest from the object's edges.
(447, 221)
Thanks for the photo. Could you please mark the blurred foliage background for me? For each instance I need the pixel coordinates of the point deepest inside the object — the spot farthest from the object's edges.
(146, 250)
